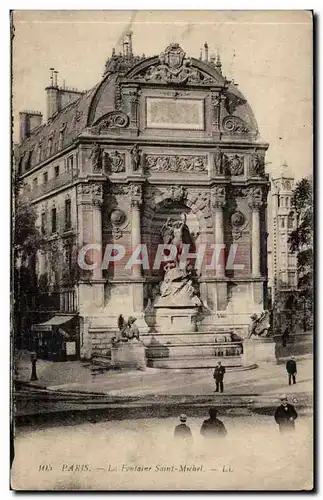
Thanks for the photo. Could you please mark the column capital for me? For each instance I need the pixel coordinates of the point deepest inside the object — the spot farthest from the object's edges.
(218, 197)
(90, 193)
(255, 198)
(136, 194)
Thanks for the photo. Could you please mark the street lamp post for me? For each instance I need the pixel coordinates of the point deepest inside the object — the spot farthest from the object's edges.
(33, 358)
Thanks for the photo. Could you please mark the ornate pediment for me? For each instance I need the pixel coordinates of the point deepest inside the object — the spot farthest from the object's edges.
(174, 68)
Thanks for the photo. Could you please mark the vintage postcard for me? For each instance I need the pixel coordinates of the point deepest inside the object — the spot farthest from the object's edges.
(162, 262)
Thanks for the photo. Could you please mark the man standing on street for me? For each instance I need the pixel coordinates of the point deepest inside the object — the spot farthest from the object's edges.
(285, 415)
(213, 427)
(291, 370)
(218, 376)
(182, 431)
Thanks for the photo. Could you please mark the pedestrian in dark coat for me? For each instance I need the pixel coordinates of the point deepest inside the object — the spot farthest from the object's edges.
(218, 376)
(213, 427)
(182, 431)
(285, 416)
(291, 370)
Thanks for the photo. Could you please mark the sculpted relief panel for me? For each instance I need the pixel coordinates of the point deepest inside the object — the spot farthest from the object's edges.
(163, 163)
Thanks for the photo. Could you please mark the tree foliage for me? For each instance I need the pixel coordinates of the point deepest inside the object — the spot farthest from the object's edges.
(301, 241)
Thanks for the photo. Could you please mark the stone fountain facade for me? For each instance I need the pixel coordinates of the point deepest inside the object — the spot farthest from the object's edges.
(156, 138)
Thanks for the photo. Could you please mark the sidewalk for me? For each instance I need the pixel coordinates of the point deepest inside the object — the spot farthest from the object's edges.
(79, 377)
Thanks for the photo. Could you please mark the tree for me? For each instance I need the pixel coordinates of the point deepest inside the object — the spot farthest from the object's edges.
(26, 241)
(301, 241)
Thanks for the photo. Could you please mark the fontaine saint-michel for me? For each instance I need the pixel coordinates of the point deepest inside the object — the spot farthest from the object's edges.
(163, 150)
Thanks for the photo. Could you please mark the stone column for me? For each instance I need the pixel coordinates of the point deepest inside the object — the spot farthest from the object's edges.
(255, 202)
(136, 200)
(90, 199)
(97, 200)
(218, 203)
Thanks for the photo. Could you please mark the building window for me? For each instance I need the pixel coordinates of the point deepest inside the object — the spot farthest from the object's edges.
(49, 146)
(43, 223)
(68, 256)
(56, 170)
(45, 177)
(282, 222)
(291, 279)
(290, 222)
(54, 220)
(35, 183)
(69, 166)
(68, 220)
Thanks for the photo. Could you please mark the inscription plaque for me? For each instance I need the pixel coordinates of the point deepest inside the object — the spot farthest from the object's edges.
(180, 114)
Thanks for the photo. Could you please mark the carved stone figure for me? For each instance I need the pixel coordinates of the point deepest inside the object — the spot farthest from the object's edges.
(177, 287)
(115, 162)
(260, 326)
(258, 164)
(218, 161)
(128, 331)
(176, 232)
(135, 157)
(96, 156)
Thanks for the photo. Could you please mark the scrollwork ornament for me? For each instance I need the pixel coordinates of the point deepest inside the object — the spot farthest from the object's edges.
(234, 124)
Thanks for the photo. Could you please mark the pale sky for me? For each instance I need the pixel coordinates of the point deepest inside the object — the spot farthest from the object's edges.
(268, 53)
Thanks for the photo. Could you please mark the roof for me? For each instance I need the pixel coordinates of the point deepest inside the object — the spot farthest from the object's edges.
(102, 98)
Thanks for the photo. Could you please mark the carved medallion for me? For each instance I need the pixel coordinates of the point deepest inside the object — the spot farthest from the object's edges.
(238, 222)
(176, 193)
(234, 164)
(119, 221)
(176, 163)
(115, 162)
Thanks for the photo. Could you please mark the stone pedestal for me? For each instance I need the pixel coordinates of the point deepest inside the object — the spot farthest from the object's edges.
(176, 320)
(129, 355)
(258, 351)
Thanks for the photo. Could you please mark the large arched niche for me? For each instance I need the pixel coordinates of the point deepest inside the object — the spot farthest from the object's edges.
(159, 209)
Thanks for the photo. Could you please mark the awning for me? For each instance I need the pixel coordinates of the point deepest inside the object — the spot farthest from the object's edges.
(54, 321)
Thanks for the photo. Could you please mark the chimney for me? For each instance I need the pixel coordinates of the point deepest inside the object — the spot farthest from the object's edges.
(59, 97)
(52, 95)
(206, 52)
(28, 121)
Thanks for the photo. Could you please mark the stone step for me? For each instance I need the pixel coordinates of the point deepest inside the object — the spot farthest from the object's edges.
(195, 362)
(193, 350)
(187, 338)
